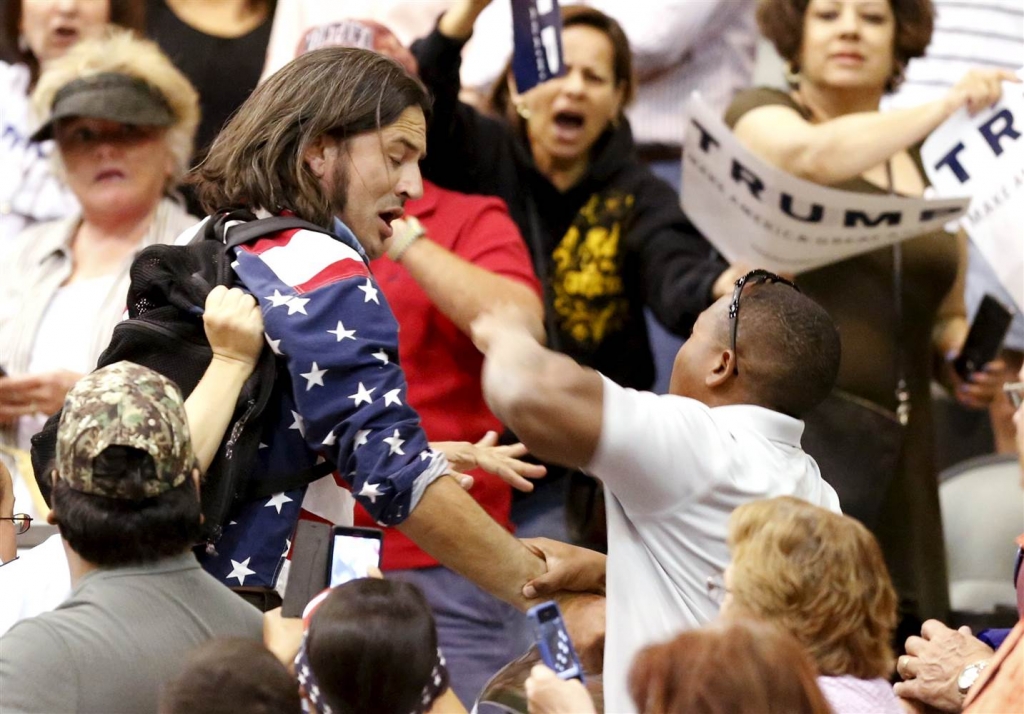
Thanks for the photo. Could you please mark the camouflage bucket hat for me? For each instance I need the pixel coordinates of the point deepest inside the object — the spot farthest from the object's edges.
(124, 404)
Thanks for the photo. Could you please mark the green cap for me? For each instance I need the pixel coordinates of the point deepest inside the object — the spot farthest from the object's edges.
(124, 404)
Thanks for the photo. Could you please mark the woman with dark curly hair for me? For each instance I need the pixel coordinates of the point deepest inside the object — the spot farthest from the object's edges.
(899, 310)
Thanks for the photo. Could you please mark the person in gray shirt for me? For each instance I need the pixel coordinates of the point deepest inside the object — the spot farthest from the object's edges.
(126, 501)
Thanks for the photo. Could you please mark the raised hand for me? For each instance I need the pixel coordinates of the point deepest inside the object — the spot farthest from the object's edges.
(979, 89)
(234, 325)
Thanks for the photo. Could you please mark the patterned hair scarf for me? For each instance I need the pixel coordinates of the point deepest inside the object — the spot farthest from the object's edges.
(315, 702)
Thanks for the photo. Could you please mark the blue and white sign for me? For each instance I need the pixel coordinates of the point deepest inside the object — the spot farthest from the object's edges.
(983, 156)
(537, 42)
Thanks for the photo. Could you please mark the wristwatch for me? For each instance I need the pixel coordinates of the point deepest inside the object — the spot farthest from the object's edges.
(969, 674)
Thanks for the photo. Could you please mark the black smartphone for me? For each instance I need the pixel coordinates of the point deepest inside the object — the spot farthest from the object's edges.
(352, 552)
(984, 338)
(553, 641)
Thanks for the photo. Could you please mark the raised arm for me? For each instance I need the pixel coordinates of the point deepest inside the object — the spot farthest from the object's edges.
(458, 288)
(551, 403)
(464, 145)
(234, 328)
(841, 148)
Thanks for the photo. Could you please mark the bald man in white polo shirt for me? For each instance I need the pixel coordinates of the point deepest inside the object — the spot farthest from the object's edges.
(673, 466)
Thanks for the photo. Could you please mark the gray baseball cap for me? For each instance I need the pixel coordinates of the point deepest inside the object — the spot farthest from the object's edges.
(110, 95)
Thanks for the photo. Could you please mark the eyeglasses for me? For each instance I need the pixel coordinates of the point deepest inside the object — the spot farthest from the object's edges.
(22, 522)
(717, 589)
(1015, 393)
(754, 277)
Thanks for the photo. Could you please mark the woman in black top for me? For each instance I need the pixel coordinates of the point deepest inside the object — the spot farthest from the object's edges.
(219, 45)
(607, 237)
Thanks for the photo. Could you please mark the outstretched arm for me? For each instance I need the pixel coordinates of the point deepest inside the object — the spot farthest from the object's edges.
(450, 526)
(844, 147)
(457, 287)
(551, 403)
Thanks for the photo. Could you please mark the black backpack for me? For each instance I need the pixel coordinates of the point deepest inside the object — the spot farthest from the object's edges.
(164, 331)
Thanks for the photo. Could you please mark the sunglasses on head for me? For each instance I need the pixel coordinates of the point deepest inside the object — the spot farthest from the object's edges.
(754, 277)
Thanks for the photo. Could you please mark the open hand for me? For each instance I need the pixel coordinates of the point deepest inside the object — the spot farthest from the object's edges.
(486, 454)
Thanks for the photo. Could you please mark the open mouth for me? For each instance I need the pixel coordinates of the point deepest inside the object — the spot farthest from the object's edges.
(569, 120)
(386, 217)
(66, 34)
(568, 126)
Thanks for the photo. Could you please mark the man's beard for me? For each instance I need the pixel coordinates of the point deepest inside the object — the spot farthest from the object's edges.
(339, 188)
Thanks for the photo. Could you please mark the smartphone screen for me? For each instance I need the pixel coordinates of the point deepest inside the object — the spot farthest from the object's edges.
(553, 641)
(353, 552)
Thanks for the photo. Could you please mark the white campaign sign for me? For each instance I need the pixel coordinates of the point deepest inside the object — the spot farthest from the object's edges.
(758, 215)
(983, 156)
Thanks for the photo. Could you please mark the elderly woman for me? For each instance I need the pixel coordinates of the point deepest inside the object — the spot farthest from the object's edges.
(41, 31)
(607, 237)
(123, 119)
(900, 310)
(820, 576)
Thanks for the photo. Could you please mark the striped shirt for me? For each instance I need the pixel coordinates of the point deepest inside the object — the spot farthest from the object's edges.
(969, 34)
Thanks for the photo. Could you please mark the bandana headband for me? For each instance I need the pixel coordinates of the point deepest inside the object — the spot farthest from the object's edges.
(435, 686)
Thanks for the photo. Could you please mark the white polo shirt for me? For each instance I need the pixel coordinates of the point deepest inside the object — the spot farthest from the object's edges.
(674, 470)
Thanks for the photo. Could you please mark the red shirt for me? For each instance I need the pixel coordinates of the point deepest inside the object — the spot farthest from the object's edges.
(441, 364)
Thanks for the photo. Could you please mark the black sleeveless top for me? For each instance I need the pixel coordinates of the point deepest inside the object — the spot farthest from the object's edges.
(224, 70)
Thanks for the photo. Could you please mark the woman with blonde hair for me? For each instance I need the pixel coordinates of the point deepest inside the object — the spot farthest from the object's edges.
(123, 119)
(820, 576)
(38, 32)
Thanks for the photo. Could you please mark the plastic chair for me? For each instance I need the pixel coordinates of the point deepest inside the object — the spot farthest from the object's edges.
(982, 514)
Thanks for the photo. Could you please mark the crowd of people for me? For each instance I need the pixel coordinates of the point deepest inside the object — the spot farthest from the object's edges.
(459, 290)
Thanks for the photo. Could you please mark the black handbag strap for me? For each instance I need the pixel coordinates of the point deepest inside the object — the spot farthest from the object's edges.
(902, 390)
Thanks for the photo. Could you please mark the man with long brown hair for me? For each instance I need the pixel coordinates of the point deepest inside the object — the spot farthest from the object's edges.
(335, 138)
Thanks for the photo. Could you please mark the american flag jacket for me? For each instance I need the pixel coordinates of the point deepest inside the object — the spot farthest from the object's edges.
(343, 398)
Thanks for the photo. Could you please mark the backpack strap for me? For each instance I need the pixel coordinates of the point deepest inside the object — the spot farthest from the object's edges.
(242, 234)
(288, 482)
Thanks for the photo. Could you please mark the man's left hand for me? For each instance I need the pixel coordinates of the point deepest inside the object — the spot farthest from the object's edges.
(933, 664)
